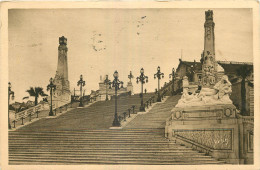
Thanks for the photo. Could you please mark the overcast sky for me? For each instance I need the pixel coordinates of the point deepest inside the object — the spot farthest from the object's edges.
(101, 41)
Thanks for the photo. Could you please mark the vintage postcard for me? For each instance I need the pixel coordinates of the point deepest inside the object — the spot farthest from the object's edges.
(123, 85)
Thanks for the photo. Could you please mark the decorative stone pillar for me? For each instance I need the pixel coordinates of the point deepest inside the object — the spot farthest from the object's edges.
(62, 94)
(209, 65)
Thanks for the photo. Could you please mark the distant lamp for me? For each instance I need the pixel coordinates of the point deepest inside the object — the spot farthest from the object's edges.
(115, 74)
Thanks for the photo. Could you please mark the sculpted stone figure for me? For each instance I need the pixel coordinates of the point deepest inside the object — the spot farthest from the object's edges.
(219, 94)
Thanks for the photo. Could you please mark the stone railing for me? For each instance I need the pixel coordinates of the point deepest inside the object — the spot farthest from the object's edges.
(125, 115)
(62, 108)
(28, 113)
(33, 113)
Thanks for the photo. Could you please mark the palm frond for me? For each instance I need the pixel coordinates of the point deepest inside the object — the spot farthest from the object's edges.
(31, 91)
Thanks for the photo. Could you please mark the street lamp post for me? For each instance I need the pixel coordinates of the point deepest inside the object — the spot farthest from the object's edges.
(116, 83)
(51, 87)
(10, 93)
(81, 83)
(159, 75)
(106, 82)
(142, 78)
(172, 75)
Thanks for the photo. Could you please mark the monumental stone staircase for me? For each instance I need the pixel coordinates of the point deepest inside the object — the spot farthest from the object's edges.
(140, 142)
(99, 115)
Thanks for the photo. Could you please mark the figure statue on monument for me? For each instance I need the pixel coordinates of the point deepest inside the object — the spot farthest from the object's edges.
(219, 94)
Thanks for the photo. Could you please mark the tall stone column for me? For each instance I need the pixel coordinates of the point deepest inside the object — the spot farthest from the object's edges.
(62, 93)
(209, 64)
(62, 68)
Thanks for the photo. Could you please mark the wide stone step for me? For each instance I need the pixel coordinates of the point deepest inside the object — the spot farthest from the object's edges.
(103, 149)
(43, 160)
(103, 162)
(94, 146)
(85, 131)
(92, 143)
(115, 152)
(110, 157)
(86, 139)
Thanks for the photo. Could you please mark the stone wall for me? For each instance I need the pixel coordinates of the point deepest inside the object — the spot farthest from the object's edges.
(218, 131)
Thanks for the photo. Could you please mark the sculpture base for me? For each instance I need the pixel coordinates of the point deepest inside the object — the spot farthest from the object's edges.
(142, 109)
(60, 100)
(211, 129)
(130, 87)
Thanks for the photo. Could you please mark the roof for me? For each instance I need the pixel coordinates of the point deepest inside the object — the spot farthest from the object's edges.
(198, 65)
(225, 64)
(234, 66)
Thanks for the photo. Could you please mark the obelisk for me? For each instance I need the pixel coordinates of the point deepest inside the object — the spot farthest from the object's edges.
(62, 93)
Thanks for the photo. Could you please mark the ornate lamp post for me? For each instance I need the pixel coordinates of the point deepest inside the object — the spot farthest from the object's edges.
(81, 83)
(116, 83)
(106, 82)
(10, 93)
(159, 75)
(51, 87)
(172, 75)
(142, 78)
(130, 76)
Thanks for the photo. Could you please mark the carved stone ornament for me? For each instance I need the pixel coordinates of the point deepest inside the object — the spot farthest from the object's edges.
(219, 94)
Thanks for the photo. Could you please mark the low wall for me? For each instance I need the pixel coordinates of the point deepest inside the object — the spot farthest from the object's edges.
(216, 130)
(32, 110)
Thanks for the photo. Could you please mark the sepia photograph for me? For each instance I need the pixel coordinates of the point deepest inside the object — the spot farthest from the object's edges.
(130, 86)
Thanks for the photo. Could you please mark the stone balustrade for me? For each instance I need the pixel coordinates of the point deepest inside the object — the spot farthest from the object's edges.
(30, 111)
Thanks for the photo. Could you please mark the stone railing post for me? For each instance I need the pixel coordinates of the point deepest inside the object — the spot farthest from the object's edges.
(129, 112)
(22, 120)
(133, 108)
(14, 122)
(124, 116)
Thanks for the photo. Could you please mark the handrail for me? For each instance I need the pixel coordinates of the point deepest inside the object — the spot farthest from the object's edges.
(124, 117)
(197, 145)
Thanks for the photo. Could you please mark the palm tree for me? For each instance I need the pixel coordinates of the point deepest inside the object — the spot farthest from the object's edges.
(243, 72)
(36, 92)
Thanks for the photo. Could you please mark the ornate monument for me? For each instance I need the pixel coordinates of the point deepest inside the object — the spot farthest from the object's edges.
(62, 93)
(130, 84)
(209, 64)
(206, 117)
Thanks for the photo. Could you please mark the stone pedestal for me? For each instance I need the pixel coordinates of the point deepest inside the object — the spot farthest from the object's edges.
(211, 129)
(61, 98)
(130, 87)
